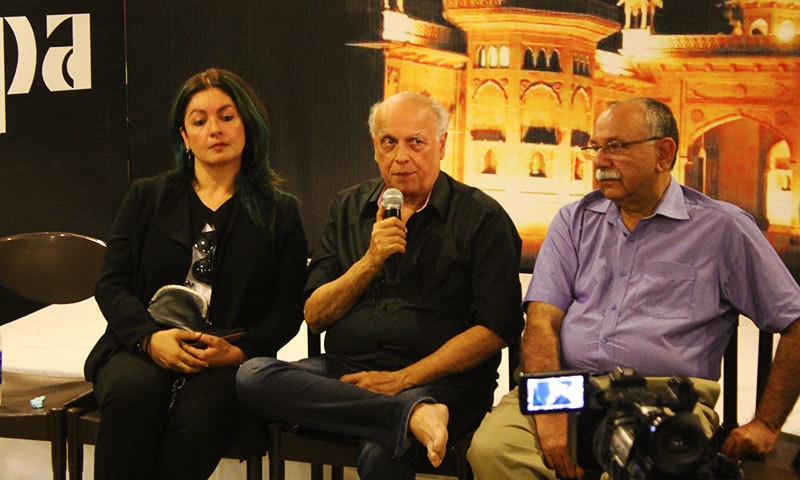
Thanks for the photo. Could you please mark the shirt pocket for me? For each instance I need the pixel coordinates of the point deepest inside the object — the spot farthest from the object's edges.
(665, 290)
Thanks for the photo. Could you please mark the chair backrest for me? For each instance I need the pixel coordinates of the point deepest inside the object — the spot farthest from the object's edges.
(50, 267)
(730, 376)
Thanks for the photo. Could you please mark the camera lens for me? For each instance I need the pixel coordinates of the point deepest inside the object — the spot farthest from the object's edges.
(679, 444)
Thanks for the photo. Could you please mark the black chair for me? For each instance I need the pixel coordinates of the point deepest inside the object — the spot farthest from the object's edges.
(778, 464)
(292, 443)
(38, 269)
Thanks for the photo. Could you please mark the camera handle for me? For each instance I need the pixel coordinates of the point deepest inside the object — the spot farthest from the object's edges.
(572, 436)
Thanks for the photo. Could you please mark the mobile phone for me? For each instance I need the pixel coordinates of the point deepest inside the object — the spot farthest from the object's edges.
(553, 392)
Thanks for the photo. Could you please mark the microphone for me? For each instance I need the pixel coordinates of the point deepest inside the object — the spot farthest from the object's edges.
(392, 204)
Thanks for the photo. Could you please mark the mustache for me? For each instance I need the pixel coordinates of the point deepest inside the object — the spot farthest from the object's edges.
(601, 175)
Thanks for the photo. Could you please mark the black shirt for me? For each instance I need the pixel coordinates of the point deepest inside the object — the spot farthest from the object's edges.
(460, 270)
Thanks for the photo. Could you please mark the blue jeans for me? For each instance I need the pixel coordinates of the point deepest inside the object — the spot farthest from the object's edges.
(309, 393)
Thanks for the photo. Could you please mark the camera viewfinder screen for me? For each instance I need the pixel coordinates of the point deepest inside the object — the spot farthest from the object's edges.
(554, 394)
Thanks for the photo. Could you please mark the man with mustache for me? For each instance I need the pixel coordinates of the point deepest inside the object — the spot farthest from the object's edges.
(647, 274)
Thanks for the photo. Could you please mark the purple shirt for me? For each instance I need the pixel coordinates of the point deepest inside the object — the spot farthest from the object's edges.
(665, 297)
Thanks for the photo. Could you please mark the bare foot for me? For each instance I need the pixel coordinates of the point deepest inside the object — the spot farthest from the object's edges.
(428, 423)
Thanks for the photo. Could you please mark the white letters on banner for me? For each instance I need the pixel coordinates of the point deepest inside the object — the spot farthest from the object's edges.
(74, 60)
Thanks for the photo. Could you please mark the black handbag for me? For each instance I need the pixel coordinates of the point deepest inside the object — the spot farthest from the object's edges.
(177, 306)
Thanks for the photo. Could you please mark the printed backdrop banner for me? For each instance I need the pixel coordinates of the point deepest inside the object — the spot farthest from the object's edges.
(63, 130)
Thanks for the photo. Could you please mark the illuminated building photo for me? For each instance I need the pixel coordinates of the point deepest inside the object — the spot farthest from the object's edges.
(524, 80)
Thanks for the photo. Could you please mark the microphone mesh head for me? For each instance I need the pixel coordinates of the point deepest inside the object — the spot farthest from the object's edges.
(392, 198)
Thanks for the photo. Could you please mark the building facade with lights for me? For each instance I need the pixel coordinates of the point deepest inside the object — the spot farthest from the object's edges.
(524, 80)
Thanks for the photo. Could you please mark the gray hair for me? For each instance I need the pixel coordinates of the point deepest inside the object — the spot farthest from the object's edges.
(440, 114)
(658, 116)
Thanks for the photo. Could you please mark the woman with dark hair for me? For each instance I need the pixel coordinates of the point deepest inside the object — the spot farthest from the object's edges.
(218, 224)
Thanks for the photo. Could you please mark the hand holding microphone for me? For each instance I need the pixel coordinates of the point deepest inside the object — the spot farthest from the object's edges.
(392, 206)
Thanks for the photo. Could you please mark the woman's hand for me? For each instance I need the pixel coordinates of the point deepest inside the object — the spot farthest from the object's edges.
(178, 350)
(217, 351)
(168, 348)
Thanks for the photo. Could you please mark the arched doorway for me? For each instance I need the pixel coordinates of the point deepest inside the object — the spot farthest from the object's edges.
(748, 163)
(744, 162)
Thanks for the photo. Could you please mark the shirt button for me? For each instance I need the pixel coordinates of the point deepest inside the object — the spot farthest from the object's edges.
(387, 308)
(623, 273)
(614, 307)
(605, 340)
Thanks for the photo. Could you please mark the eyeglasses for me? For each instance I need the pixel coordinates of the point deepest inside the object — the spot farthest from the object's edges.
(612, 148)
(203, 268)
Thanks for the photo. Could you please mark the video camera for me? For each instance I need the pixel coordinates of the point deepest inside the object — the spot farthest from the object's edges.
(627, 428)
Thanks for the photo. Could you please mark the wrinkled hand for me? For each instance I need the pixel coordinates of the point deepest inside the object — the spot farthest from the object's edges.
(755, 439)
(388, 237)
(168, 348)
(217, 352)
(552, 431)
(387, 383)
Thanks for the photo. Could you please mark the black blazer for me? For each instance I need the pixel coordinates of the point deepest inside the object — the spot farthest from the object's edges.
(258, 280)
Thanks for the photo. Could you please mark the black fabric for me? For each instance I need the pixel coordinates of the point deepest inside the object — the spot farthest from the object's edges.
(460, 269)
(257, 286)
(258, 278)
(137, 438)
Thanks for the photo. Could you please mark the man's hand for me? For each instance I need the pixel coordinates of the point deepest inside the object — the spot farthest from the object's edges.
(388, 237)
(331, 301)
(387, 383)
(168, 348)
(755, 439)
(552, 431)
